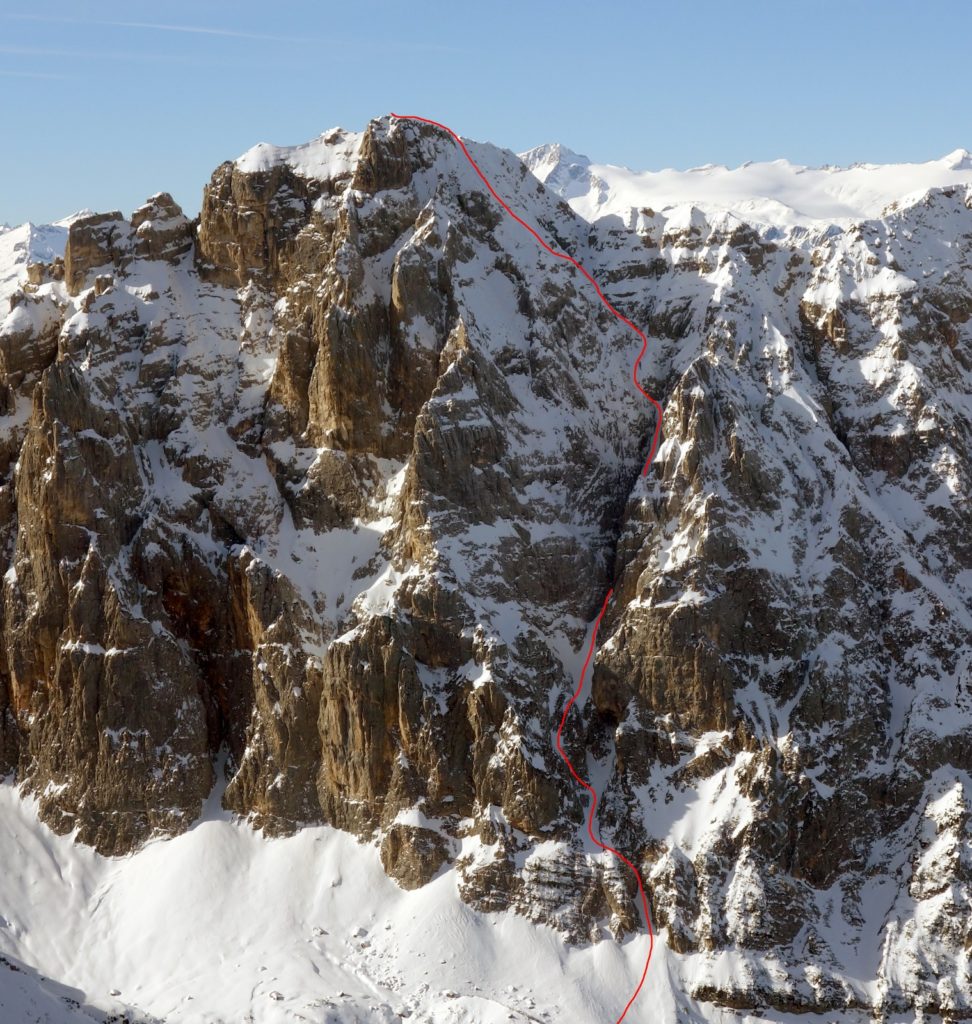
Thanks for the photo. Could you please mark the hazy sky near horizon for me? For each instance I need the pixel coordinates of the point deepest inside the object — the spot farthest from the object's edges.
(103, 103)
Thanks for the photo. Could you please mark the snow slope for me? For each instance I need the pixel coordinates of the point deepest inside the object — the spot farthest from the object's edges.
(331, 154)
(221, 924)
(775, 194)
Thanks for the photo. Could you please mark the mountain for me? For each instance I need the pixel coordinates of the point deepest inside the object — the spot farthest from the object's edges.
(308, 509)
(775, 197)
(23, 245)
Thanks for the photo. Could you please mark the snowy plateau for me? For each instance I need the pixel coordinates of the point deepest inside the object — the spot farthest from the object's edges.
(308, 505)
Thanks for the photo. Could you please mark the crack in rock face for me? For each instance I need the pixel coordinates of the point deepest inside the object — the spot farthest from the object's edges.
(329, 484)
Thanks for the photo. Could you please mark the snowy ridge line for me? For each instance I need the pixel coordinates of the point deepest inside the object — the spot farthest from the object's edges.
(651, 455)
(777, 197)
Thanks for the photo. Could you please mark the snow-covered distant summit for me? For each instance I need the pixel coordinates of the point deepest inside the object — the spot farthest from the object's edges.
(28, 243)
(552, 158)
(958, 160)
(66, 222)
(774, 194)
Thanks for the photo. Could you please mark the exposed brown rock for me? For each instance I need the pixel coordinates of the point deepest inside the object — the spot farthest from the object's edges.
(100, 240)
(412, 855)
(161, 230)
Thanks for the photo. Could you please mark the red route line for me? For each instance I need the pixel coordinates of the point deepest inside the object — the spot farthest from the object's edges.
(651, 454)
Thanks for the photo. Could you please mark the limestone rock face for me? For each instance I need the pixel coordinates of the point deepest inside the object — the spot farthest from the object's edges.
(28, 337)
(96, 241)
(318, 497)
(100, 245)
(413, 855)
(161, 230)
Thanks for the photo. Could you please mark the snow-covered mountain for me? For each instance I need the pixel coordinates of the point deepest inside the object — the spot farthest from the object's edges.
(30, 243)
(309, 505)
(774, 196)
(23, 245)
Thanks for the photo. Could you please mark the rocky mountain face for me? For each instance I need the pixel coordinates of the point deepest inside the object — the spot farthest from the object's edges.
(325, 489)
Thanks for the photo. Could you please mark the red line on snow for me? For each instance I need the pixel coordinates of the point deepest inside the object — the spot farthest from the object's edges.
(651, 454)
(590, 817)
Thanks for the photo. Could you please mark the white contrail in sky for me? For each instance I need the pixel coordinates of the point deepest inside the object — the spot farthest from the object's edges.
(29, 74)
(136, 56)
(230, 33)
(164, 27)
(199, 30)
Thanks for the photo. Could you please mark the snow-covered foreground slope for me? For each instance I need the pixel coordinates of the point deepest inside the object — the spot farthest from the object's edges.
(222, 925)
(775, 195)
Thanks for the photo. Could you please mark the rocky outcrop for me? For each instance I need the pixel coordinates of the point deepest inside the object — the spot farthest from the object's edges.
(28, 337)
(325, 490)
(100, 245)
(161, 230)
(413, 855)
(95, 242)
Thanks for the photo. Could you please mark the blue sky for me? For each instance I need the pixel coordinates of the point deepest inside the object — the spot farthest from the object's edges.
(103, 103)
